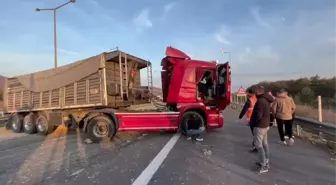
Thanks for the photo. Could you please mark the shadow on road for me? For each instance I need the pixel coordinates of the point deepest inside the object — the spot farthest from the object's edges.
(35, 159)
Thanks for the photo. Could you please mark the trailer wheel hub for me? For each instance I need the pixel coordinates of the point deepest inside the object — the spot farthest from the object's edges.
(100, 129)
(15, 124)
(41, 124)
(28, 124)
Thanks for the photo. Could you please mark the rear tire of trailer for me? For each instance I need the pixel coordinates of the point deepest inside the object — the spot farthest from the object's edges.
(186, 116)
(29, 123)
(100, 128)
(43, 126)
(16, 123)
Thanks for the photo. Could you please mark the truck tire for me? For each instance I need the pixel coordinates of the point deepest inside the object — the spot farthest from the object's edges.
(190, 115)
(43, 126)
(29, 123)
(100, 128)
(16, 123)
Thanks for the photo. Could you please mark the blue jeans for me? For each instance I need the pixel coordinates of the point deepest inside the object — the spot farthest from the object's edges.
(261, 143)
(195, 132)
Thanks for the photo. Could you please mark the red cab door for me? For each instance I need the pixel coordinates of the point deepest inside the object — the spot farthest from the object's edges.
(223, 85)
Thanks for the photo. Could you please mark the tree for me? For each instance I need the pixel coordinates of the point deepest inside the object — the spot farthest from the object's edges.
(307, 95)
(305, 90)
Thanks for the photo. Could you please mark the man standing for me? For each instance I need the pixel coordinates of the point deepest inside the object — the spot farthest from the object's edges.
(283, 109)
(247, 111)
(260, 120)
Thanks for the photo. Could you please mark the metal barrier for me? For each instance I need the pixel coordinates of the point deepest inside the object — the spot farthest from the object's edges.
(325, 130)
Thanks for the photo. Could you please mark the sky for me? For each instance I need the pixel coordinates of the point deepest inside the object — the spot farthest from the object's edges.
(268, 40)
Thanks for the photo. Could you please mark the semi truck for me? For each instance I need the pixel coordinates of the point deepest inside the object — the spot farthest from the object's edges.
(89, 94)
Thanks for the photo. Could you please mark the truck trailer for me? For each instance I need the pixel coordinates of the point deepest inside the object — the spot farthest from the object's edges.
(89, 94)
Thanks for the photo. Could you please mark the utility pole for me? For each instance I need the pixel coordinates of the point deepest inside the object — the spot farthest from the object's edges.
(55, 33)
(225, 52)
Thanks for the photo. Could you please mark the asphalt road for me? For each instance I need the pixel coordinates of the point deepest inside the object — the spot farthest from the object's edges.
(63, 158)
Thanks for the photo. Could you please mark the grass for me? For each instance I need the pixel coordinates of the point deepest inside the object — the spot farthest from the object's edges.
(312, 113)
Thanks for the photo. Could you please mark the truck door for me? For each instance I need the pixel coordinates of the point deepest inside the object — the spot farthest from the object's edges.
(223, 86)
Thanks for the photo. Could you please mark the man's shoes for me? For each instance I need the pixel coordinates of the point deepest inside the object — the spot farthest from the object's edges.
(267, 164)
(262, 169)
(188, 138)
(282, 142)
(199, 139)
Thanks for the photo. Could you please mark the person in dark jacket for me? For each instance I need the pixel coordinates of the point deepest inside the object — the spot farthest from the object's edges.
(260, 121)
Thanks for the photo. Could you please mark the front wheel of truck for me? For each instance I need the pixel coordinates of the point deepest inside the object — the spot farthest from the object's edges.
(192, 118)
(100, 128)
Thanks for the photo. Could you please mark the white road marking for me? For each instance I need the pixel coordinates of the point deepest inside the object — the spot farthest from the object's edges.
(150, 170)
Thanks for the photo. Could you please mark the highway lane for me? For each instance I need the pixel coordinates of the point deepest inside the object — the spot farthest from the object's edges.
(63, 158)
(231, 163)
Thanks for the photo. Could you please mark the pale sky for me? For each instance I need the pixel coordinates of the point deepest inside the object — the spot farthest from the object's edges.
(268, 40)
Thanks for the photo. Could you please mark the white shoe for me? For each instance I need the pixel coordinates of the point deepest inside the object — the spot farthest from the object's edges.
(282, 142)
(286, 137)
(291, 142)
(188, 138)
(199, 139)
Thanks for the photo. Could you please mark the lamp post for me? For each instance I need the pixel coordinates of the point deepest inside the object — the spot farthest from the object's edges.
(224, 52)
(55, 37)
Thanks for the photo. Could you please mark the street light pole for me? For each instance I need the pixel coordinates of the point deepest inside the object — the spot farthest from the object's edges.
(223, 52)
(55, 40)
(55, 30)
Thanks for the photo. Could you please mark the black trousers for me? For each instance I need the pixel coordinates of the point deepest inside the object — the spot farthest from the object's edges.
(288, 127)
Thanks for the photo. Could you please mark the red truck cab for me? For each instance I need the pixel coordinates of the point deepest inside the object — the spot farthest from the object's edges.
(180, 77)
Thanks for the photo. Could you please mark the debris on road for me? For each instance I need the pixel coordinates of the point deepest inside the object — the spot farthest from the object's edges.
(88, 141)
(207, 152)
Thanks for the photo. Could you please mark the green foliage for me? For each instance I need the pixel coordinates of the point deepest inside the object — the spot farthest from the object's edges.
(305, 90)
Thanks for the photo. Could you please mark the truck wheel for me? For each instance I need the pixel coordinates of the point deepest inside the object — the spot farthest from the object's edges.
(16, 123)
(29, 124)
(190, 115)
(100, 128)
(43, 126)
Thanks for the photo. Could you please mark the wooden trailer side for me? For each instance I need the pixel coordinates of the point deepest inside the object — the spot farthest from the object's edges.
(87, 92)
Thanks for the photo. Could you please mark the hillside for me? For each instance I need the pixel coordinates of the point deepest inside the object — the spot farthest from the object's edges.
(305, 91)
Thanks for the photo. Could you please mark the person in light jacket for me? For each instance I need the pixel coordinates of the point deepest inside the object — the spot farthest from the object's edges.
(283, 109)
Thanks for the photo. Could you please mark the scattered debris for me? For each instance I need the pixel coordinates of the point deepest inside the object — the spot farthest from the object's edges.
(77, 172)
(207, 152)
(88, 141)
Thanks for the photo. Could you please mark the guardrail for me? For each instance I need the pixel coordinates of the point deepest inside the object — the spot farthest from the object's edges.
(326, 130)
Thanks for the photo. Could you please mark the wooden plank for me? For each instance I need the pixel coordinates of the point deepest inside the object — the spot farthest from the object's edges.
(75, 93)
(121, 83)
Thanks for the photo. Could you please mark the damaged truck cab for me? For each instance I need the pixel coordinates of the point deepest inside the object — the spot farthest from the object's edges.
(180, 78)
